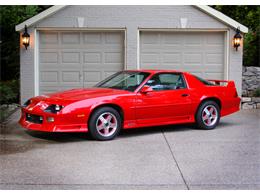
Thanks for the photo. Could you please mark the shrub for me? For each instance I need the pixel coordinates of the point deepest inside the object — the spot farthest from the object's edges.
(9, 92)
(257, 92)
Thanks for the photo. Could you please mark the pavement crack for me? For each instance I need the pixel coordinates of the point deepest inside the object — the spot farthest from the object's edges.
(182, 176)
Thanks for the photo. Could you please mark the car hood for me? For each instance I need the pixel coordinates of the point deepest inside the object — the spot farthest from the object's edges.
(82, 94)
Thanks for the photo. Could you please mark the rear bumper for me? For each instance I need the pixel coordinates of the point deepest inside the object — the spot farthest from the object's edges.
(46, 126)
(233, 105)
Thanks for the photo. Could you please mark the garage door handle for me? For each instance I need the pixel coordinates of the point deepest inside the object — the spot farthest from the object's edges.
(185, 95)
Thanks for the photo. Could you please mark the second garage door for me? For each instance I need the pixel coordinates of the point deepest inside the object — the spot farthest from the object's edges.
(201, 53)
(69, 59)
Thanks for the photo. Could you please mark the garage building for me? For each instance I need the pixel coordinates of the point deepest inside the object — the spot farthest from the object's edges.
(77, 46)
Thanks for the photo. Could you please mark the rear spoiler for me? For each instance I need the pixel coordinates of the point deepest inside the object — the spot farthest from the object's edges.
(223, 83)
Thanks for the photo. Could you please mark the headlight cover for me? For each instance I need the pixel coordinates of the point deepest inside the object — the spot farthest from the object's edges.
(53, 108)
(27, 103)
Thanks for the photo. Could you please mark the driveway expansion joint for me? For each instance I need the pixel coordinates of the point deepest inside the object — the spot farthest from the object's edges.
(172, 154)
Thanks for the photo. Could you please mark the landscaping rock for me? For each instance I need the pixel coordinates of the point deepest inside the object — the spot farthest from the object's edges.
(248, 106)
(256, 99)
(246, 99)
(251, 80)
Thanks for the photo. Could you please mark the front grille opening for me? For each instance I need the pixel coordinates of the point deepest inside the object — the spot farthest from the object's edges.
(34, 118)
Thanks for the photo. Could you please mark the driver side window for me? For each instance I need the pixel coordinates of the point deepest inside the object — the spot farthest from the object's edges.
(167, 81)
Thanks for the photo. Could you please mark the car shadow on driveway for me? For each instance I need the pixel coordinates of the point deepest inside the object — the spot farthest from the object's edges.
(59, 137)
(28, 140)
(77, 137)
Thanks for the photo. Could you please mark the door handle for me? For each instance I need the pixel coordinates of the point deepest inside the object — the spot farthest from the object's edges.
(184, 95)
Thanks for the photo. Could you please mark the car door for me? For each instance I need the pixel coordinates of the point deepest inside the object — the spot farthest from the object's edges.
(168, 101)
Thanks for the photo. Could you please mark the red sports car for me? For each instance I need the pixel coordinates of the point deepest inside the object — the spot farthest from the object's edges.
(131, 99)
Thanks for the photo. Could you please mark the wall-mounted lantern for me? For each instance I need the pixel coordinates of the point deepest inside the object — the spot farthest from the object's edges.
(237, 39)
(26, 38)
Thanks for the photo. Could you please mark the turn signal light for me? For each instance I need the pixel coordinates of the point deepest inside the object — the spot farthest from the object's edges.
(50, 119)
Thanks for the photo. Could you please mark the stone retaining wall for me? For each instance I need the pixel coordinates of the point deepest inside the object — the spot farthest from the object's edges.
(250, 103)
(250, 80)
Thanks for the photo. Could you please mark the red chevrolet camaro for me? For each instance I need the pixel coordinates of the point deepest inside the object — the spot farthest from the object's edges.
(132, 99)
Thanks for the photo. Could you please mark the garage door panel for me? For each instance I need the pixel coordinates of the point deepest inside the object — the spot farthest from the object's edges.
(70, 57)
(92, 38)
(173, 57)
(193, 40)
(49, 38)
(168, 39)
(200, 52)
(71, 76)
(214, 39)
(192, 58)
(213, 68)
(92, 76)
(214, 58)
(49, 76)
(48, 57)
(150, 38)
(113, 57)
(78, 59)
(70, 38)
(150, 58)
(215, 75)
(92, 57)
(113, 39)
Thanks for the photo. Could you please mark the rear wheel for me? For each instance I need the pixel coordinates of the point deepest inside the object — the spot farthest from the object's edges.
(208, 115)
(105, 123)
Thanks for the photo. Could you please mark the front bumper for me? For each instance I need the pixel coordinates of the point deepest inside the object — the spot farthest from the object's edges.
(60, 123)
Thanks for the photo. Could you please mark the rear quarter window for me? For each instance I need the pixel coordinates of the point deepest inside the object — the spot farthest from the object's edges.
(204, 81)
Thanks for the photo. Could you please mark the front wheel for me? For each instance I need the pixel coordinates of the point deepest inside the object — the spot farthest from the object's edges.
(208, 115)
(105, 123)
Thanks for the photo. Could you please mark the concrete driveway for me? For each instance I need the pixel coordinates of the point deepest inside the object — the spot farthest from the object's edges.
(172, 157)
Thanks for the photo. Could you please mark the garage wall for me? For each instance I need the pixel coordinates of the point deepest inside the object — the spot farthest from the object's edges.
(130, 18)
(235, 60)
(27, 58)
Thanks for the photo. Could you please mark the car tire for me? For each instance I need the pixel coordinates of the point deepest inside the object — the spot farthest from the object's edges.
(208, 115)
(105, 124)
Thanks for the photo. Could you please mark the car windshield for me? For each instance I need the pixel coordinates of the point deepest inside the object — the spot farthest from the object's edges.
(126, 80)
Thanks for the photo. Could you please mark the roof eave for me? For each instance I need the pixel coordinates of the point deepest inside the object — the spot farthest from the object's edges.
(39, 17)
(218, 15)
(223, 18)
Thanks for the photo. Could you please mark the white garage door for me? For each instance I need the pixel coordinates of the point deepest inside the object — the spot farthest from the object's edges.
(201, 53)
(69, 59)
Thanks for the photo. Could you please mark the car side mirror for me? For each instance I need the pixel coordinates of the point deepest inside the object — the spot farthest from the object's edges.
(146, 89)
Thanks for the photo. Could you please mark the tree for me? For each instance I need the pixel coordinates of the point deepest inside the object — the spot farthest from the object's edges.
(9, 40)
(9, 17)
(9, 47)
(249, 15)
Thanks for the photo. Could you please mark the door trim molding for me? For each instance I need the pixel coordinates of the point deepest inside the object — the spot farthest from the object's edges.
(36, 63)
